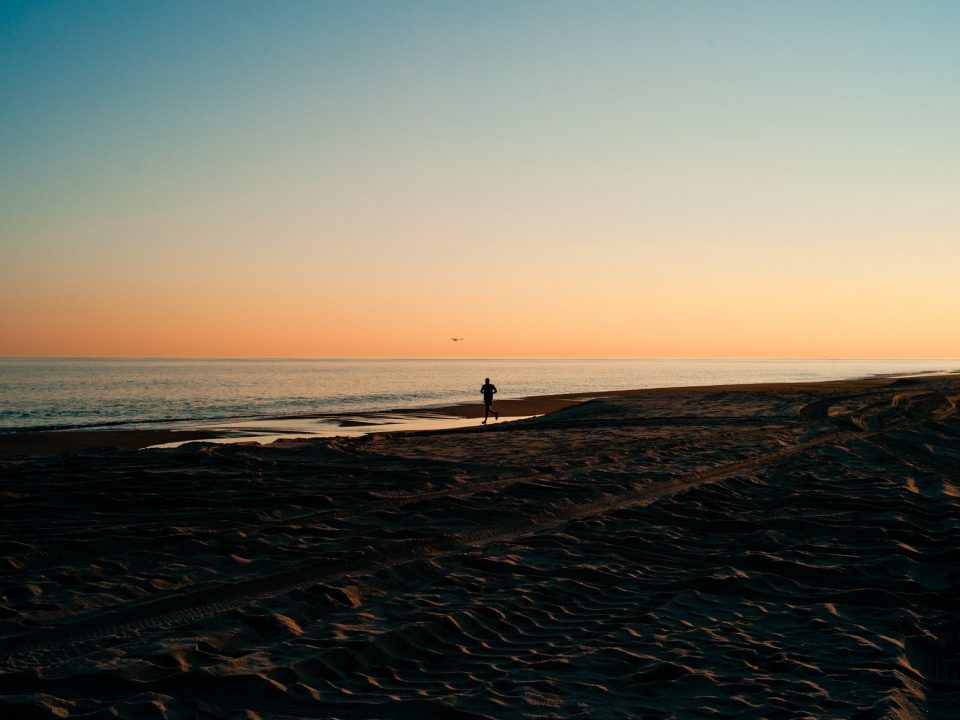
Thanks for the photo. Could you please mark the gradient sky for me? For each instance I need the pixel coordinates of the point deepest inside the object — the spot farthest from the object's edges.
(542, 178)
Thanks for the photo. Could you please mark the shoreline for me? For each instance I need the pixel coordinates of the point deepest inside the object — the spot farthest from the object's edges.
(42, 443)
(36, 443)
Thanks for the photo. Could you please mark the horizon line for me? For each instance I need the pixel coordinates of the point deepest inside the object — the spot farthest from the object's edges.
(454, 357)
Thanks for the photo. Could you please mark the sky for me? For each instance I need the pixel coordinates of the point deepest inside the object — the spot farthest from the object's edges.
(552, 179)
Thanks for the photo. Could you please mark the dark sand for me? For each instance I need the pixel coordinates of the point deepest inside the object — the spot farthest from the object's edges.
(782, 551)
(56, 442)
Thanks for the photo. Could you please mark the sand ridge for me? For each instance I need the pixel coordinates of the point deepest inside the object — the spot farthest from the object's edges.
(754, 551)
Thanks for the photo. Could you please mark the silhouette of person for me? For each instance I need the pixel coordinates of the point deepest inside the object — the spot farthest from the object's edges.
(488, 390)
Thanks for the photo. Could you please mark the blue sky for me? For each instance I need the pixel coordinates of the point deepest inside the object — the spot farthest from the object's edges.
(657, 152)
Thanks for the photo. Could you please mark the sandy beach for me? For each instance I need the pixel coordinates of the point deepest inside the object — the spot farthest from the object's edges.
(781, 551)
(36, 443)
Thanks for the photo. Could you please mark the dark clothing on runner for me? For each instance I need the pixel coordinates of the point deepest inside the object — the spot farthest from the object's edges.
(488, 390)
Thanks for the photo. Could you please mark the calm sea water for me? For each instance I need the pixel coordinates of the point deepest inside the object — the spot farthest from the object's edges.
(90, 392)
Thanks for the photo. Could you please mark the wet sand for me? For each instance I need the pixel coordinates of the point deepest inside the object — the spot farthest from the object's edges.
(754, 551)
(56, 442)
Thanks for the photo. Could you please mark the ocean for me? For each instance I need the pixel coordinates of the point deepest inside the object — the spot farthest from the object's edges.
(61, 393)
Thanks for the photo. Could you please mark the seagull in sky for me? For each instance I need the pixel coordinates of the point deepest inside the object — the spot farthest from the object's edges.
(456, 339)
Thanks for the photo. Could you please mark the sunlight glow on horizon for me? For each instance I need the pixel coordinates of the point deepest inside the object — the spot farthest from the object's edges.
(544, 179)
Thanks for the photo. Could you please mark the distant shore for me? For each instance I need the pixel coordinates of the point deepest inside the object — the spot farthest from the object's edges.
(33, 443)
(54, 442)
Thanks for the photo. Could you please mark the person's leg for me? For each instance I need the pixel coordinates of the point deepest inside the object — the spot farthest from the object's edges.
(486, 413)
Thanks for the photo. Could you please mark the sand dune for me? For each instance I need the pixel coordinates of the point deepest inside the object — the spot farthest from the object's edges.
(753, 551)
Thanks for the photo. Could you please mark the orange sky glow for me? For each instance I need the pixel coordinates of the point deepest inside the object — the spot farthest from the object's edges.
(767, 181)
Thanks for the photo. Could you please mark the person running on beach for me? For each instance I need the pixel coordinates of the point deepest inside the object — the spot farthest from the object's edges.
(488, 390)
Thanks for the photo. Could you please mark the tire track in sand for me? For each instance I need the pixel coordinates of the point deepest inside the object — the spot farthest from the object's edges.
(120, 546)
(71, 640)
